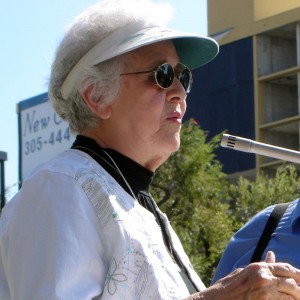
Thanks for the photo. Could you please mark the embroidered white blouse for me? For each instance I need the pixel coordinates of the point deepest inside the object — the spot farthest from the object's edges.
(73, 233)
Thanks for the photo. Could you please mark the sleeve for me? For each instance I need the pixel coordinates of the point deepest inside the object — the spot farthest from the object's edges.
(240, 249)
(53, 247)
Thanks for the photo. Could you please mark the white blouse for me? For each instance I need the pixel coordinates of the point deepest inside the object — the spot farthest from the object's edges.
(73, 233)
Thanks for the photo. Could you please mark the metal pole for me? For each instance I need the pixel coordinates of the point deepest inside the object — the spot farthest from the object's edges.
(3, 157)
(298, 76)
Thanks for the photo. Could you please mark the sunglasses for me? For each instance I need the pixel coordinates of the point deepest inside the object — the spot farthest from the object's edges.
(164, 76)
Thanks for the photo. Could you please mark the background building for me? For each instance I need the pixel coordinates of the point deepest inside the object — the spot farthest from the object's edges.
(252, 88)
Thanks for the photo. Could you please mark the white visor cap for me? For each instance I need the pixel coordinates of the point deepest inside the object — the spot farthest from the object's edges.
(193, 50)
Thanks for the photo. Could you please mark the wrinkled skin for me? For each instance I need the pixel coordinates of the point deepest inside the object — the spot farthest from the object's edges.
(258, 281)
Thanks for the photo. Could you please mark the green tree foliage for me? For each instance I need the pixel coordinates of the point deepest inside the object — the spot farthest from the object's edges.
(203, 207)
(190, 189)
(246, 197)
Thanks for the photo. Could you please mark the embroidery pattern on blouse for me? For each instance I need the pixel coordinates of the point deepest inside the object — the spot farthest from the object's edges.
(113, 278)
(95, 190)
(133, 261)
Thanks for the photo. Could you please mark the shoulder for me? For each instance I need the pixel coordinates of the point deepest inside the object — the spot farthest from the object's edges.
(240, 248)
(257, 221)
(55, 187)
(66, 163)
(66, 171)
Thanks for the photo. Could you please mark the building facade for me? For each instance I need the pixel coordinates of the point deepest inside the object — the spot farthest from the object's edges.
(252, 88)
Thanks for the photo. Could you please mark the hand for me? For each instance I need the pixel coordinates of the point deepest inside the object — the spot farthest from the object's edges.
(258, 281)
(270, 257)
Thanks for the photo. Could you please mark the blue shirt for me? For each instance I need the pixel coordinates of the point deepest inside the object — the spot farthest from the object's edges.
(285, 241)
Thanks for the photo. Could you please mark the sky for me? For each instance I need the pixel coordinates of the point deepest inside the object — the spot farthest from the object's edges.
(30, 33)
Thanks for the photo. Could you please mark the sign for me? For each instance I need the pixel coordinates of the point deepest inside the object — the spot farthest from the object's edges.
(42, 134)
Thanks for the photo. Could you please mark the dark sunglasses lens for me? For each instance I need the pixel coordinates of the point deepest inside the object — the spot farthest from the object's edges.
(164, 76)
(185, 78)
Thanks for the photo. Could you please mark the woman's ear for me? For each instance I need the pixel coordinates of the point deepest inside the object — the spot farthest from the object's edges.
(95, 104)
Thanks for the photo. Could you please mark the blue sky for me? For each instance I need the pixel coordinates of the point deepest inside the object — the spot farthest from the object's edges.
(30, 32)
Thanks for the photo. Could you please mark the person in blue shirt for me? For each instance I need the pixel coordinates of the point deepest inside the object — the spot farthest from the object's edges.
(284, 242)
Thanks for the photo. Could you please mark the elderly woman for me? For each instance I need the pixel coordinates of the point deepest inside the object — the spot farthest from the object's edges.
(84, 225)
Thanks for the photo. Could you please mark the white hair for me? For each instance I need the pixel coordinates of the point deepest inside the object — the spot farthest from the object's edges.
(90, 27)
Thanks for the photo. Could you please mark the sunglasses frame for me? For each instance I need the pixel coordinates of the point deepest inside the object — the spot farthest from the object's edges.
(176, 72)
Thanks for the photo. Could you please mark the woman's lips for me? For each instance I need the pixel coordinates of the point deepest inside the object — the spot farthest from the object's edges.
(175, 117)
